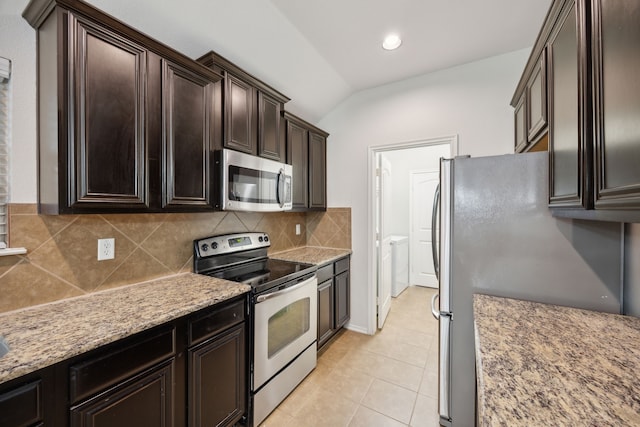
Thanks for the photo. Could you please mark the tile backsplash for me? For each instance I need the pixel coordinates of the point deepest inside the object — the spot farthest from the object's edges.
(61, 259)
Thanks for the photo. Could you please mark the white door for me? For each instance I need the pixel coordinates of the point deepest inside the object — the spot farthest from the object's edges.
(384, 260)
(423, 187)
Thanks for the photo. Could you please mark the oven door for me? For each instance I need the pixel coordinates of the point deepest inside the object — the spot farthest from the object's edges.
(251, 183)
(285, 325)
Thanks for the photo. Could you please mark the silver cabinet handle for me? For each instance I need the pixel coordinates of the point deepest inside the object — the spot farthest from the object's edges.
(434, 311)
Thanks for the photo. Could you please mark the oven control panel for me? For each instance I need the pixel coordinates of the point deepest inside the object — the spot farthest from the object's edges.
(229, 243)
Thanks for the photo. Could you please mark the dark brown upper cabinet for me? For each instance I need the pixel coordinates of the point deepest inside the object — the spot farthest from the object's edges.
(307, 153)
(530, 108)
(593, 102)
(251, 111)
(537, 101)
(239, 131)
(569, 121)
(616, 102)
(520, 125)
(317, 171)
(298, 156)
(125, 123)
(187, 117)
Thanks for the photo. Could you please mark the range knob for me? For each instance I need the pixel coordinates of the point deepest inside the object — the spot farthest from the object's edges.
(266, 238)
(260, 239)
(205, 247)
(214, 245)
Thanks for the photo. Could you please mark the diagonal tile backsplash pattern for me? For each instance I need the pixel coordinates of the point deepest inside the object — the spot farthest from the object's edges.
(331, 229)
(61, 259)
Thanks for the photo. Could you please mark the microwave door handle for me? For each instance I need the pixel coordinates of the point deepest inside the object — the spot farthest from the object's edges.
(434, 222)
(280, 188)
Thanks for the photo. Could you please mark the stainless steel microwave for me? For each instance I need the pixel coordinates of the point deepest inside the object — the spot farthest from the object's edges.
(251, 183)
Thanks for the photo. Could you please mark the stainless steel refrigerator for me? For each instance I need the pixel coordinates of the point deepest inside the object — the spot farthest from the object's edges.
(497, 236)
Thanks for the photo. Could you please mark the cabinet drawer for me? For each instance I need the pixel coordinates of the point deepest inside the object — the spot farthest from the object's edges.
(324, 273)
(21, 406)
(212, 322)
(145, 400)
(120, 362)
(341, 265)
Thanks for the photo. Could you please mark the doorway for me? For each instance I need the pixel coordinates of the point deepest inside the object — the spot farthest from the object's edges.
(421, 232)
(402, 182)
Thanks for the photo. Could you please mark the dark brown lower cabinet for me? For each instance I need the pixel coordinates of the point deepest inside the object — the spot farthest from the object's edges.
(26, 401)
(342, 290)
(325, 312)
(126, 384)
(191, 371)
(217, 375)
(333, 299)
(144, 401)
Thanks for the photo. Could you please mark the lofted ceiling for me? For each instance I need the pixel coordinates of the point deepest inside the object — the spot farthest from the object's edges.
(320, 52)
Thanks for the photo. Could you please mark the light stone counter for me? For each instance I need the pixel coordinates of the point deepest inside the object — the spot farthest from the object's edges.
(43, 335)
(311, 255)
(546, 365)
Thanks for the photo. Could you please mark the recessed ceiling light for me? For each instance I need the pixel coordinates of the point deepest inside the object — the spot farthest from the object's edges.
(391, 42)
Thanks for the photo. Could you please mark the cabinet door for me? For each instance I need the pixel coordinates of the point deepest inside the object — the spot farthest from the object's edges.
(342, 290)
(217, 389)
(22, 405)
(298, 157)
(187, 129)
(145, 401)
(270, 145)
(317, 172)
(569, 136)
(325, 311)
(615, 41)
(106, 131)
(537, 101)
(240, 126)
(520, 126)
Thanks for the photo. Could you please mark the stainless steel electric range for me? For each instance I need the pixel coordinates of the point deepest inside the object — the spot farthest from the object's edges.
(283, 307)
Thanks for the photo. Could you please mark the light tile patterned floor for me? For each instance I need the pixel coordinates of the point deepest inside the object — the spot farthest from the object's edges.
(386, 380)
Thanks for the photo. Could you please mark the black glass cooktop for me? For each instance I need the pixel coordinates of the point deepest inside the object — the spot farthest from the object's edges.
(263, 274)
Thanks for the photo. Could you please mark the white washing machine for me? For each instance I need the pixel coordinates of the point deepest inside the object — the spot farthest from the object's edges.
(399, 264)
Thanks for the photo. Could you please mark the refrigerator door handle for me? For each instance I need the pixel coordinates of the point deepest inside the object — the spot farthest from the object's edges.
(444, 376)
(434, 311)
(434, 221)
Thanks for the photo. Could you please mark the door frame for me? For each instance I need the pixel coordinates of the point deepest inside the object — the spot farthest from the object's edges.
(372, 151)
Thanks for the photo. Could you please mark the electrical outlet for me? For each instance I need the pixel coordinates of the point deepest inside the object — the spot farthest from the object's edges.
(106, 249)
(297, 229)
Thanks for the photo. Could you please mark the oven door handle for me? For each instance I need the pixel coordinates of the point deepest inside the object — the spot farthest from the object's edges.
(270, 295)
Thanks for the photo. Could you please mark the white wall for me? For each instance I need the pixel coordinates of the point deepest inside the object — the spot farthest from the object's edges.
(18, 43)
(471, 101)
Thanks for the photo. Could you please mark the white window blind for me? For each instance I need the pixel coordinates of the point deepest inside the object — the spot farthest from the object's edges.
(5, 133)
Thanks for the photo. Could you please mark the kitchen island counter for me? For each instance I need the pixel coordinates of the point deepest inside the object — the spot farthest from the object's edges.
(44, 335)
(540, 364)
(312, 255)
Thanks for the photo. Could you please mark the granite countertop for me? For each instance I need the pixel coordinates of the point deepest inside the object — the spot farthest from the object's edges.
(311, 255)
(43, 335)
(542, 365)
